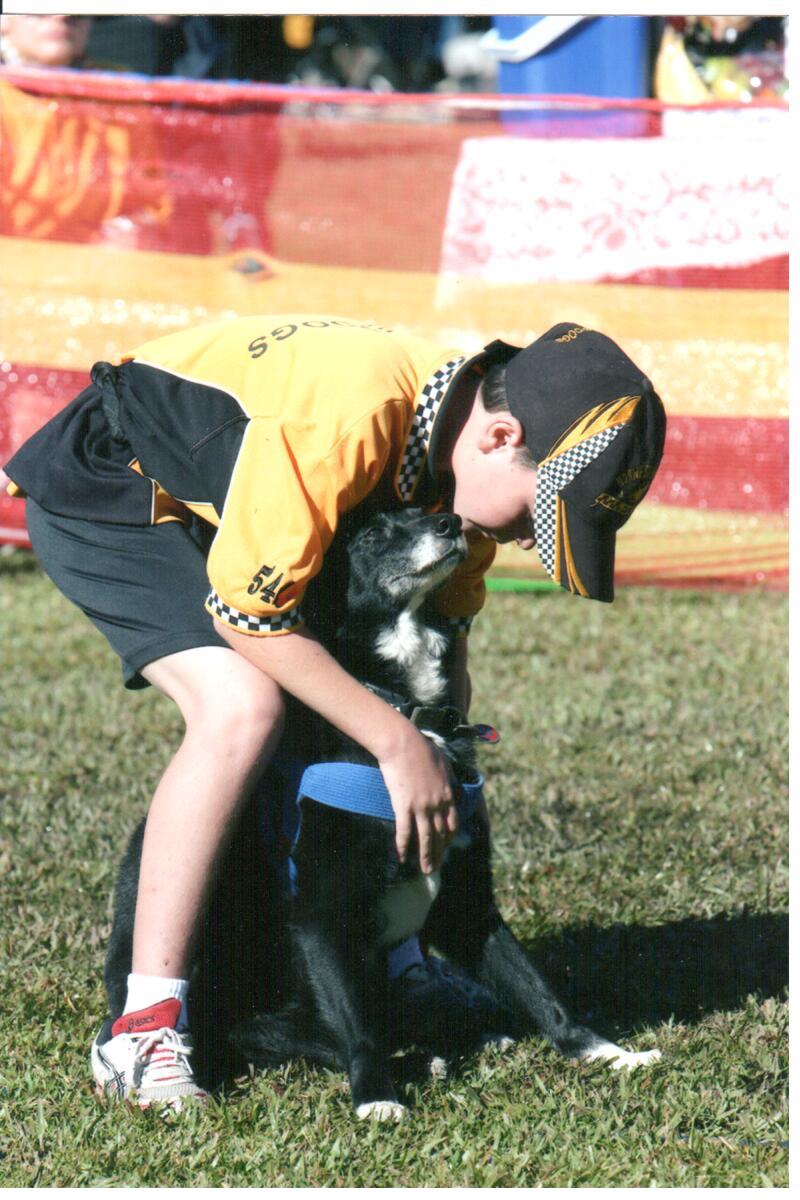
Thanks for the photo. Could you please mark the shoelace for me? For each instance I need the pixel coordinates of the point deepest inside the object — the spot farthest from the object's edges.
(163, 1057)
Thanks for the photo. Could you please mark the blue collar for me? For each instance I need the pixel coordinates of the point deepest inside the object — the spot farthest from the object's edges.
(359, 789)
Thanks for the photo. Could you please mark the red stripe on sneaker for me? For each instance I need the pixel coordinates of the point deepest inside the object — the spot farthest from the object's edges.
(163, 1015)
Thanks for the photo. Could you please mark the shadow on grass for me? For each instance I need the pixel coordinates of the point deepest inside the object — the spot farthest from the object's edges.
(622, 978)
(627, 976)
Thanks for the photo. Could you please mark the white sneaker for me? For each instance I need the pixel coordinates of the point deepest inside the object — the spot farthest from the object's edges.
(144, 1059)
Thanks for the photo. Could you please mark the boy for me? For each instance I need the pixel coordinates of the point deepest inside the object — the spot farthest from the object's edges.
(269, 434)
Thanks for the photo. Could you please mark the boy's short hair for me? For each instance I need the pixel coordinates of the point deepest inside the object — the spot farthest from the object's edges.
(494, 397)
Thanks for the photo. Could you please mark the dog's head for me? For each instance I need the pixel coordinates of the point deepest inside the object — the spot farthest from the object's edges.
(399, 558)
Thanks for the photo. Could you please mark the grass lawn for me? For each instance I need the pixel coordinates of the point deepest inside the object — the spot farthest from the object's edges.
(639, 801)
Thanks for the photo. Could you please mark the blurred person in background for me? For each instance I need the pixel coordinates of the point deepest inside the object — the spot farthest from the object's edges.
(344, 51)
(375, 53)
(465, 65)
(193, 47)
(82, 179)
(261, 49)
(737, 58)
(77, 170)
(391, 54)
(49, 40)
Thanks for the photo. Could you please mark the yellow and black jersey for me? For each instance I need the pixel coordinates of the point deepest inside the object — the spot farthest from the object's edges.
(272, 429)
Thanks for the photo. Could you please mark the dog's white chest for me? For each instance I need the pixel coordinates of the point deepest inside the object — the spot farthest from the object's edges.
(419, 651)
(406, 905)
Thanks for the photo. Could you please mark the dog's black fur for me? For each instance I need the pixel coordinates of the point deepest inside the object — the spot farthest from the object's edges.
(307, 975)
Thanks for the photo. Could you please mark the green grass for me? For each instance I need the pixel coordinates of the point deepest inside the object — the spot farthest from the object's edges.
(639, 801)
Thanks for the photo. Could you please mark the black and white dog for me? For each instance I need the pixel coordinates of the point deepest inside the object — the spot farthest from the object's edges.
(301, 970)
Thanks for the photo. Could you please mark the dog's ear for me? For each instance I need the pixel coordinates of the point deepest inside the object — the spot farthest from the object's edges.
(363, 597)
(326, 597)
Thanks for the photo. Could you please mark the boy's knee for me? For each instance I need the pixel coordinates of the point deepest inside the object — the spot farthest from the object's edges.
(229, 707)
(244, 718)
(238, 717)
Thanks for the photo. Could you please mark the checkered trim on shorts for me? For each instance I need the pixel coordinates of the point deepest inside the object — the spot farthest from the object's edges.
(419, 435)
(552, 477)
(247, 623)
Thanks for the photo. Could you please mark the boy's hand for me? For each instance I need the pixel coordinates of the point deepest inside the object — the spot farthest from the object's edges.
(417, 778)
(414, 770)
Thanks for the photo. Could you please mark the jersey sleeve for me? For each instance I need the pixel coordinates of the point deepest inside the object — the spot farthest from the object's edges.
(281, 512)
(464, 593)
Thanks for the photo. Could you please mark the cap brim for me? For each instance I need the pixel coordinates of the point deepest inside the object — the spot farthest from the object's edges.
(576, 554)
(585, 556)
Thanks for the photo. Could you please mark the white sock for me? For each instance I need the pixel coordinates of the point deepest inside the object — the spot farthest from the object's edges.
(406, 955)
(145, 990)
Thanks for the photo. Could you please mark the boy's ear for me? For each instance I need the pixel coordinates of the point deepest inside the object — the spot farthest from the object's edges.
(500, 431)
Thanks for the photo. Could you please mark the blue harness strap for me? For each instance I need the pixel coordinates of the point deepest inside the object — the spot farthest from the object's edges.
(348, 786)
(360, 789)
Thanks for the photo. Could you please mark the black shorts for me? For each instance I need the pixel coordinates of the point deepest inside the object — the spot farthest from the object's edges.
(143, 586)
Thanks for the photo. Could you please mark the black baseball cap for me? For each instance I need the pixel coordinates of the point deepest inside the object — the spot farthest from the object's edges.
(595, 426)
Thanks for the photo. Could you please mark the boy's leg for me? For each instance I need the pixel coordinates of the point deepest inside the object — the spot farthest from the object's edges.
(144, 588)
(233, 715)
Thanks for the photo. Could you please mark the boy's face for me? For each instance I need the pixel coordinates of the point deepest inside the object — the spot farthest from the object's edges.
(501, 506)
(494, 494)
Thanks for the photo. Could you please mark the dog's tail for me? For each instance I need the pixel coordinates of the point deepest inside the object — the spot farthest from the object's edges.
(273, 1038)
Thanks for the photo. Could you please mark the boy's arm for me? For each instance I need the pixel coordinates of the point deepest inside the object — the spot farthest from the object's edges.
(413, 769)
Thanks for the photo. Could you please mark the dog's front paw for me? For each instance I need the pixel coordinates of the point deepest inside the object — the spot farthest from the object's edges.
(499, 1041)
(438, 1067)
(617, 1058)
(381, 1110)
(635, 1058)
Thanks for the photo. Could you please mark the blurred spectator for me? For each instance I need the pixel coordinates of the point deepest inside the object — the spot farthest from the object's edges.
(200, 47)
(467, 67)
(44, 40)
(346, 51)
(267, 49)
(411, 45)
(398, 53)
(146, 45)
(78, 179)
(376, 53)
(738, 58)
(77, 169)
(194, 46)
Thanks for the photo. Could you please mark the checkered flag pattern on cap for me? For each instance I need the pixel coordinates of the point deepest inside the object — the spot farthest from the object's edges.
(419, 435)
(552, 477)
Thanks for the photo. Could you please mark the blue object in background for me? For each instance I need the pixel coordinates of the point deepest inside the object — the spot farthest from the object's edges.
(600, 56)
